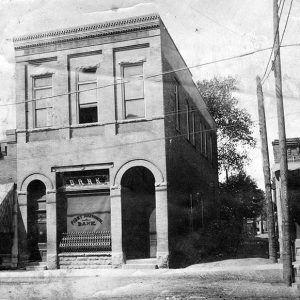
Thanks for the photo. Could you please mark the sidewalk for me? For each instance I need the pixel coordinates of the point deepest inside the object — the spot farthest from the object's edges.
(230, 265)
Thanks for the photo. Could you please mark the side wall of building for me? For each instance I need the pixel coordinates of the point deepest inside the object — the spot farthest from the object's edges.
(191, 148)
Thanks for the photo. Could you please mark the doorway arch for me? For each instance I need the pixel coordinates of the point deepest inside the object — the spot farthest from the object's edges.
(36, 220)
(138, 219)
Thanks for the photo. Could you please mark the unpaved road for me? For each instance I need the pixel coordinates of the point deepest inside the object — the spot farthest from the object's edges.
(233, 279)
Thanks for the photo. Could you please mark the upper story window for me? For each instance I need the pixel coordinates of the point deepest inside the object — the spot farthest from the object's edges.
(206, 134)
(188, 128)
(133, 90)
(87, 95)
(177, 106)
(42, 90)
(193, 127)
(201, 135)
(210, 147)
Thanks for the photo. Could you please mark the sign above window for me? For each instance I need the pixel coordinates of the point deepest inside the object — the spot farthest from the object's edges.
(87, 182)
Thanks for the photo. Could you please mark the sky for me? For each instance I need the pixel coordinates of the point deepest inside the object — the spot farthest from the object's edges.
(203, 30)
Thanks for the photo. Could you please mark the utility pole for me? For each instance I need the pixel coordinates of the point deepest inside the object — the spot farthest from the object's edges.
(286, 238)
(266, 169)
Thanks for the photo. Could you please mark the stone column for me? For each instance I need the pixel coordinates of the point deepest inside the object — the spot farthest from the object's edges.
(116, 226)
(161, 201)
(51, 229)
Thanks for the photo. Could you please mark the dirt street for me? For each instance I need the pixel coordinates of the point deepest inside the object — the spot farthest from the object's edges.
(231, 279)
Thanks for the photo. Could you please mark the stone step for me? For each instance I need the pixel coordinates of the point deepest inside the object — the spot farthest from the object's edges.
(142, 261)
(139, 266)
(85, 266)
(36, 266)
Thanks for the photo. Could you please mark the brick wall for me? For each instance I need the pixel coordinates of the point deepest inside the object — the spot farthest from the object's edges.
(83, 260)
(192, 173)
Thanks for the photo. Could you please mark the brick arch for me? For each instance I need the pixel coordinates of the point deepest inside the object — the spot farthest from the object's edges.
(158, 176)
(36, 176)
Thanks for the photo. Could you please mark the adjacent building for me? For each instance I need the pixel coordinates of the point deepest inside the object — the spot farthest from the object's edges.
(114, 152)
(293, 156)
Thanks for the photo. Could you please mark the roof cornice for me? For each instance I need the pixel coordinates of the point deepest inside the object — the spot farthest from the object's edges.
(87, 31)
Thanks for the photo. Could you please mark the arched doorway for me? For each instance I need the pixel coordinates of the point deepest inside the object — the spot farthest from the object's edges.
(36, 221)
(138, 213)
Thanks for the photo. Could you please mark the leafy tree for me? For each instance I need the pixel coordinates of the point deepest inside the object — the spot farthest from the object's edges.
(234, 125)
(241, 198)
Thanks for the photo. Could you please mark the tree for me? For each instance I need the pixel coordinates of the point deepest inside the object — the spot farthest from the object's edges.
(234, 125)
(241, 197)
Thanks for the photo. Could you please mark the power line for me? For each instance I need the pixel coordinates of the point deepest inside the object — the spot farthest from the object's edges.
(147, 77)
(147, 141)
(285, 26)
(270, 57)
(214, 21)
(156, 75)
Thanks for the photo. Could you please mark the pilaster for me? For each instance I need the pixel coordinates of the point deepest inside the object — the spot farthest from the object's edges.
(116, 227)
(161, 199)
(51, 229)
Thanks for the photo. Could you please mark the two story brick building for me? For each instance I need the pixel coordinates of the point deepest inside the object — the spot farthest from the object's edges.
(114, 152)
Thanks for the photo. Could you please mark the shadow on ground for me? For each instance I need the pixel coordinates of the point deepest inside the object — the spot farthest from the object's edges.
(250, 247)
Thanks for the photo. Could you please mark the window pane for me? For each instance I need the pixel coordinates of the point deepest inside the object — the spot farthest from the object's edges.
(130, 71)
(87, 96)
(134, 89)
(135, 109)
(87, 74)
(88, 115)
(42, 205)
(42, 93)
(43, 103)
(43, 81)
(41, 117)
(42, 227)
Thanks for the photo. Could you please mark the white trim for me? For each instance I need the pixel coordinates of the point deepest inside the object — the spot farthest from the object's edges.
(82, 167)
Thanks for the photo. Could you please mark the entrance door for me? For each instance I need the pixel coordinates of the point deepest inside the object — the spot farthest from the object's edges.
(36, 216)
(138, 203)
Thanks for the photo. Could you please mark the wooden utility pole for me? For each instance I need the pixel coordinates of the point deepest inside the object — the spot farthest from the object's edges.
(266, 169)
(286, 238)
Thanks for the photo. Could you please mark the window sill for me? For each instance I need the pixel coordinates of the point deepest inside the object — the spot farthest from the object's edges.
(38, 129)
(137, 120)
(94, 124)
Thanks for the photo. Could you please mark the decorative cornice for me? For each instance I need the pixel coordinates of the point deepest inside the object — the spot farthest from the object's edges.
(87, 31)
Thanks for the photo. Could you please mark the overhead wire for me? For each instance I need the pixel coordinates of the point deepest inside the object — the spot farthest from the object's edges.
(178, 135)
(145, 78)
(283, 33)
(277, 30)
(154, 75)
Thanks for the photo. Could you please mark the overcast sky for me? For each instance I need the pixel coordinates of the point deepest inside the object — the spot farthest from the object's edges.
(203, 30)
